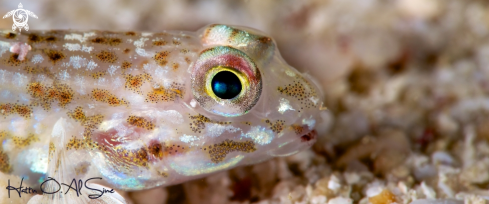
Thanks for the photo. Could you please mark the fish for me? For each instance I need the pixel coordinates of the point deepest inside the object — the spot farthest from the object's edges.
(138, 110)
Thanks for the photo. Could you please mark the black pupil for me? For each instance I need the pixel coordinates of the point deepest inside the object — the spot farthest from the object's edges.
(226, 85)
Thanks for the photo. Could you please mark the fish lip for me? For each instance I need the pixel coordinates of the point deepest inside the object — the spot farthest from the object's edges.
(298, 143)
(309, 137)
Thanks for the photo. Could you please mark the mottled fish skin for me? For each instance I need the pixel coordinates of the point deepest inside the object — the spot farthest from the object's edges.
(136, 109)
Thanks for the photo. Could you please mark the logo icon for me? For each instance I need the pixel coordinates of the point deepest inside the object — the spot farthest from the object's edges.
(20, 16)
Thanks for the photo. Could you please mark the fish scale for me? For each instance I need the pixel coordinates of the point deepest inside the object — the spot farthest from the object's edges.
(138, 110)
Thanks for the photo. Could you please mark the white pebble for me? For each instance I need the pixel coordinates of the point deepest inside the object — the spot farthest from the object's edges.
(340, 200)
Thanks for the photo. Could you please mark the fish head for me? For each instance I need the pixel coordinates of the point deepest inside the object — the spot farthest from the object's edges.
(239, 103)
(239, 77)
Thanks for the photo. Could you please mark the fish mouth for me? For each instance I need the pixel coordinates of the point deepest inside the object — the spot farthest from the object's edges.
(310, 136)
(300, 141)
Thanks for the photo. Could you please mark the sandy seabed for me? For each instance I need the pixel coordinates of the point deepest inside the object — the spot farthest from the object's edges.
(406, 85)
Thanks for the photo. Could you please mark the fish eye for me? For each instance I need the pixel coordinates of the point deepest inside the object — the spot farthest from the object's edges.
(226, 81)
(226, 84)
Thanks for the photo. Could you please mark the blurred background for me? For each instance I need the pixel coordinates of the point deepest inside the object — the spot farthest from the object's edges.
(406, 84)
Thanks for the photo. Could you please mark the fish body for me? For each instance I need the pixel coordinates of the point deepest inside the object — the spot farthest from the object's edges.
(140, 110)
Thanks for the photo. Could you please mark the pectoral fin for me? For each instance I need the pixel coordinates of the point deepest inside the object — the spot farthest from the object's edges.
(69, 168)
